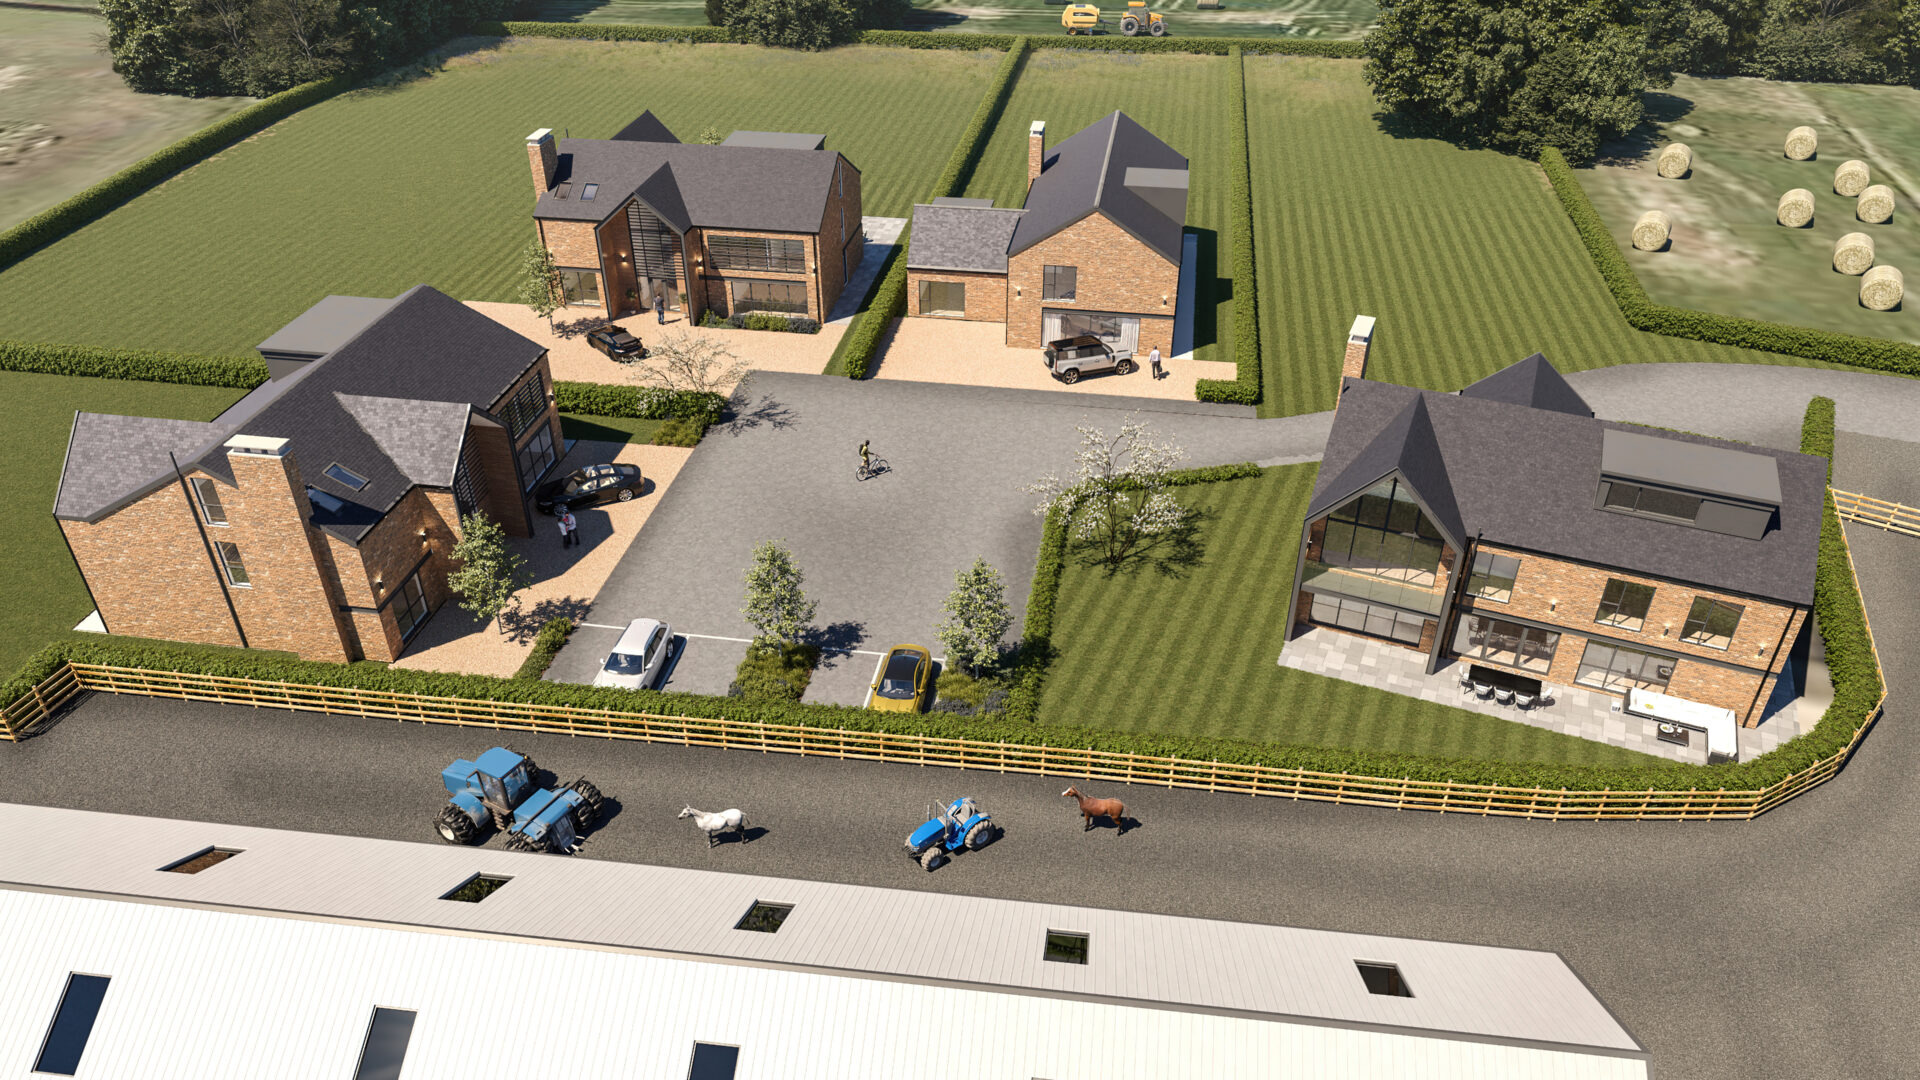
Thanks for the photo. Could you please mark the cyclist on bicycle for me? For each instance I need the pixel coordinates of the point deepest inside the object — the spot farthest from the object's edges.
(866, 457)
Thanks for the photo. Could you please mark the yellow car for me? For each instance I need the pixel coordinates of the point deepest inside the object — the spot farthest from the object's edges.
(900, 683)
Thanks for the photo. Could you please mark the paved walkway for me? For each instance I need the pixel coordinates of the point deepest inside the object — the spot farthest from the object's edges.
(883, 235)
(976, 354)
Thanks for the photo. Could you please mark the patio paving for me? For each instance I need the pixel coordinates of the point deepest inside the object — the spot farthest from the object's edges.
(1570, 710)
(976, 354)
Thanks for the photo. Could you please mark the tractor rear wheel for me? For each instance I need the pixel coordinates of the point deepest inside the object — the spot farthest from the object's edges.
(1130, 26)
(587, 814)
(1157, 29)
(455, 827)
(981, 835)
(932, 859)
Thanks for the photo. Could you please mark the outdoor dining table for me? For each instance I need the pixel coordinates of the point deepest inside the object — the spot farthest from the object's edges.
(1504, 680)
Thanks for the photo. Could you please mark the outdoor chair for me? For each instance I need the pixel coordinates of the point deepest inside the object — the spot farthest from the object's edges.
(1503, 695)
(1482, 690)
(1525, 701)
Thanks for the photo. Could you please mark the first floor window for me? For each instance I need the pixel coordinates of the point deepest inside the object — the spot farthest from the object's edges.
(1059, 282)
(1493, 576)
(211, 509)
(758, 253)
(1500, 641)
(1617, 668)
(230, 562)
(1624, 604)
(770, 296)
(1658, 502)
(943, 298)
(1711, 623)
(1350, 614)
(580, 286)
(525, 406)
(410, 606)
(536, 457)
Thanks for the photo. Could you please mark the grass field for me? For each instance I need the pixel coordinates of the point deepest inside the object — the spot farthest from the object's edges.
(67, 122)
(1182, 99)
(1464, 256)
(1194, 651)
(44, 592)
(1728, 254)
(1240, 18)
(618, 429)
(426, 181)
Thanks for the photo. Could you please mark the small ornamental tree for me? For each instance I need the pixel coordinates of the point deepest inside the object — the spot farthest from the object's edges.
(1117, 496)
(491, 575)
(776, 605)
(977, 617)
(540, 283)
(687, 364)
(710, 135)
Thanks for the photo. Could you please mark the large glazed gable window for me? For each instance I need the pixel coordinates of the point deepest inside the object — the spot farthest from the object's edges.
(758, 253)
(1059, 282)
(230, 562)
(536, 458)
(1364, 618)
(207, 492)
(1493, 576)
(1711, 623)
(1624, 604)
(1383, 532)
(580, 286)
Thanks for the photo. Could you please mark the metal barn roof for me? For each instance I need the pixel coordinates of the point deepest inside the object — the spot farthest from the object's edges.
(273, 960)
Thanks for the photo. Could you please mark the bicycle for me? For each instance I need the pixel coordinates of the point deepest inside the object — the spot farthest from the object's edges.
(871, 468)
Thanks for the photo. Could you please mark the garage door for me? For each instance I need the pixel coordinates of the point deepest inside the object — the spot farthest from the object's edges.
(1122, 332)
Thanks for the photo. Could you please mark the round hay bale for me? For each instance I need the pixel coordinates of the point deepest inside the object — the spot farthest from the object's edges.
(1851, 178)
(1853, 253)
(1676, 160)
(1802, 143)
(1881, 288)
(1875, 205)
(1796, 209)
(1652, 231)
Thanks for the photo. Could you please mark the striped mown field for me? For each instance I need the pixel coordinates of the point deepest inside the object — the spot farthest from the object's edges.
(1193, 649)
(1240, 18)
(1182, 99)
(1464, 255)
(426, 180)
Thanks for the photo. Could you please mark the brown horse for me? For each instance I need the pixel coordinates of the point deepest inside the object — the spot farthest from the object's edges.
(1091, 808)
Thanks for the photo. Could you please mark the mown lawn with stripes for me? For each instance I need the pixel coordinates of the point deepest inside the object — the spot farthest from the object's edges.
(1193, 649)
(426, 180)
(1464, 256)
(1182, 99)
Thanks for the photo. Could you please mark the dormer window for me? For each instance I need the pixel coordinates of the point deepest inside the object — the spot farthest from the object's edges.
(1712, 488)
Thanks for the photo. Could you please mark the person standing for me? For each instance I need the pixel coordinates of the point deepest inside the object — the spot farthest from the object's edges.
(569, 529)
(1153, 358)
(660, 306)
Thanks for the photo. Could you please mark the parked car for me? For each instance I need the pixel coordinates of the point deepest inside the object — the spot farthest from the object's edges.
(590, 486)
(1070, 358)
(639, 659)
(616, 343)
(901, 683)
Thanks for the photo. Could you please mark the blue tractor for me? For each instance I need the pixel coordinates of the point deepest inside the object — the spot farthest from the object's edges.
(501, 787)
(959, 824)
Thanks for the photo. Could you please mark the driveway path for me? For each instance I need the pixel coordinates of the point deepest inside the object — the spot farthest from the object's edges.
(1750, 402)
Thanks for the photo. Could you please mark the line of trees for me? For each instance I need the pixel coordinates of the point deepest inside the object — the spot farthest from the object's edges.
(202, 48)
(1517, 76)
(805, 24)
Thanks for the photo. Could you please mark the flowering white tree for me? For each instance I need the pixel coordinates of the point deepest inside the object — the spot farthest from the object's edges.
(687, 364)
(1117, 495)
(977, 616)
(776, 606)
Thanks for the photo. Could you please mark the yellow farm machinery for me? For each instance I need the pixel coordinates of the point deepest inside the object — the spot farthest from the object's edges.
(1085, 19)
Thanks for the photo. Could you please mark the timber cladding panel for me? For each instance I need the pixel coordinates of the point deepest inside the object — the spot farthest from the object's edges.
(1114, 273)
(986, 294)
(842, 242)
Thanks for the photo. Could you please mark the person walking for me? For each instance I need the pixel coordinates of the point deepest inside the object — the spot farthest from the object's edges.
(569, 529)
(1153, 358)
(660, 307)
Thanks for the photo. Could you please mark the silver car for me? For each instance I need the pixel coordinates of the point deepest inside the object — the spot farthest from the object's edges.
(639, 659)
(1070, 358)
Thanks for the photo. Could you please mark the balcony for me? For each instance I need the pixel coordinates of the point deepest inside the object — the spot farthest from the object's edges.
(1319, 577)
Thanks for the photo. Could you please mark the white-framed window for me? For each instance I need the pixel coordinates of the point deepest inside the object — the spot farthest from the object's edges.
(230, 562)
(207, 493)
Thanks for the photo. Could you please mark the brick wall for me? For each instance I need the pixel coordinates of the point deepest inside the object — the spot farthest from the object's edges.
(150, 573)
(714, 283)
(288, 605)
(387, 555)
(574, 246)
(840, 233)
(986, 293)
(1116, 273)
(543, 157)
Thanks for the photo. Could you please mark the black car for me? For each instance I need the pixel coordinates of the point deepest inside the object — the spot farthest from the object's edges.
(616, 343)
(590, 486)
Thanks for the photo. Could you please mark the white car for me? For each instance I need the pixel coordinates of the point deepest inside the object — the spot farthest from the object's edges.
(639, 659)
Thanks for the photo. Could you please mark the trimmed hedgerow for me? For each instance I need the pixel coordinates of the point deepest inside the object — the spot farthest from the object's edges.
(973, 138)
(607, 32)
(889, 302)
(1212, 46)
(546, 645)
(680, 431)
(1853, 350)
(923, 39)
(1816, 431)
(636, 402)
(115, 191)
(1244, 389)
(138, 365)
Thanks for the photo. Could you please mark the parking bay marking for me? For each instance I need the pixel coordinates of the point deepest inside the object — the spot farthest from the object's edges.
(741, 640)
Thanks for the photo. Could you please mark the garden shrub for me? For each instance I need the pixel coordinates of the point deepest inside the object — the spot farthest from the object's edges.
(774, 321)
(1854, 350)
(961, 694)
(117, 190)
(774, 672)
(889, 302)
(1816, 431)
(546, 645)
(140, 365)
(1245, 387)
(636, 402)
(680, 431)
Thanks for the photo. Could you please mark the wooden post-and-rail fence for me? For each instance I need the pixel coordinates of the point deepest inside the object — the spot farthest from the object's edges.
(1881, 514)
(1444, 796)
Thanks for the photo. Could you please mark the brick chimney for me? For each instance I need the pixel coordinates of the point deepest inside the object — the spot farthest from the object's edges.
(1036, 149)
(1359, 341)
(544, 158)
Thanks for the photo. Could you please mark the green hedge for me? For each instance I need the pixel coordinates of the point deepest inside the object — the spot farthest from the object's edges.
(973, 139)
(1244, 389)
(1816, 431)
(924, 39)
(889, 302)
(607, 32)
(1854, 350)
(546, 645)
(636, 402)
(141, 365)
(97, 201)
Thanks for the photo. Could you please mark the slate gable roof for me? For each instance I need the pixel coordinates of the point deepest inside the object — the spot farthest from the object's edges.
(1526, 476)
(1087, 173)
(646, 128)
(963, 238)
(693, 184)
(1532, 382)
(390, 404)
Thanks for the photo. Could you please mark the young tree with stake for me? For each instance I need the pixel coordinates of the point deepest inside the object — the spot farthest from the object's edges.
(1117, 496)
(491, 575)
(776, 605)
(977, 617)
(540, 284)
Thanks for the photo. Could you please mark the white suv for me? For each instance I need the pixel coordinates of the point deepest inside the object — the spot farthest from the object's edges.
(639, 659)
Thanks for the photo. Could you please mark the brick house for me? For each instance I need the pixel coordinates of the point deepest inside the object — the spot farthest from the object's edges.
(1505, 526)
(1096, 248)
(318, 513)
(764, 221)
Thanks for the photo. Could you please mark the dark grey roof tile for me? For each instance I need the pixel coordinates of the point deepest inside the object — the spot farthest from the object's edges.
(728, 187)
(1087, 172)
(968, 238)
(111, 457)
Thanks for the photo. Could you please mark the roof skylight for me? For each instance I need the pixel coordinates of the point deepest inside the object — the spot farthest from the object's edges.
(341, 474)
(72, 1024)
(764, 917)
(1066, 947)
(1383, 979)
(386, 1046)
(200, 860)
(588, 192)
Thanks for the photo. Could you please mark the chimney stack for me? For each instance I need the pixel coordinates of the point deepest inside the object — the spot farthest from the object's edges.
(544, 157)
(1359, 341)
(1036, 149)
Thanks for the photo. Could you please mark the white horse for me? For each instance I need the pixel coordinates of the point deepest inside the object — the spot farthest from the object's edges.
(715, 824)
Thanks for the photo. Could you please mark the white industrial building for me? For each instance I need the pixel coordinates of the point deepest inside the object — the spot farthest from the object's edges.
(275, 962)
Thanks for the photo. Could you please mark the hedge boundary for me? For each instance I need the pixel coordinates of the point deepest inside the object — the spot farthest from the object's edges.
(1245, 388)
(924, 39)
(546, 645)
(66, 218)
(1641, 313)
(136, 365)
